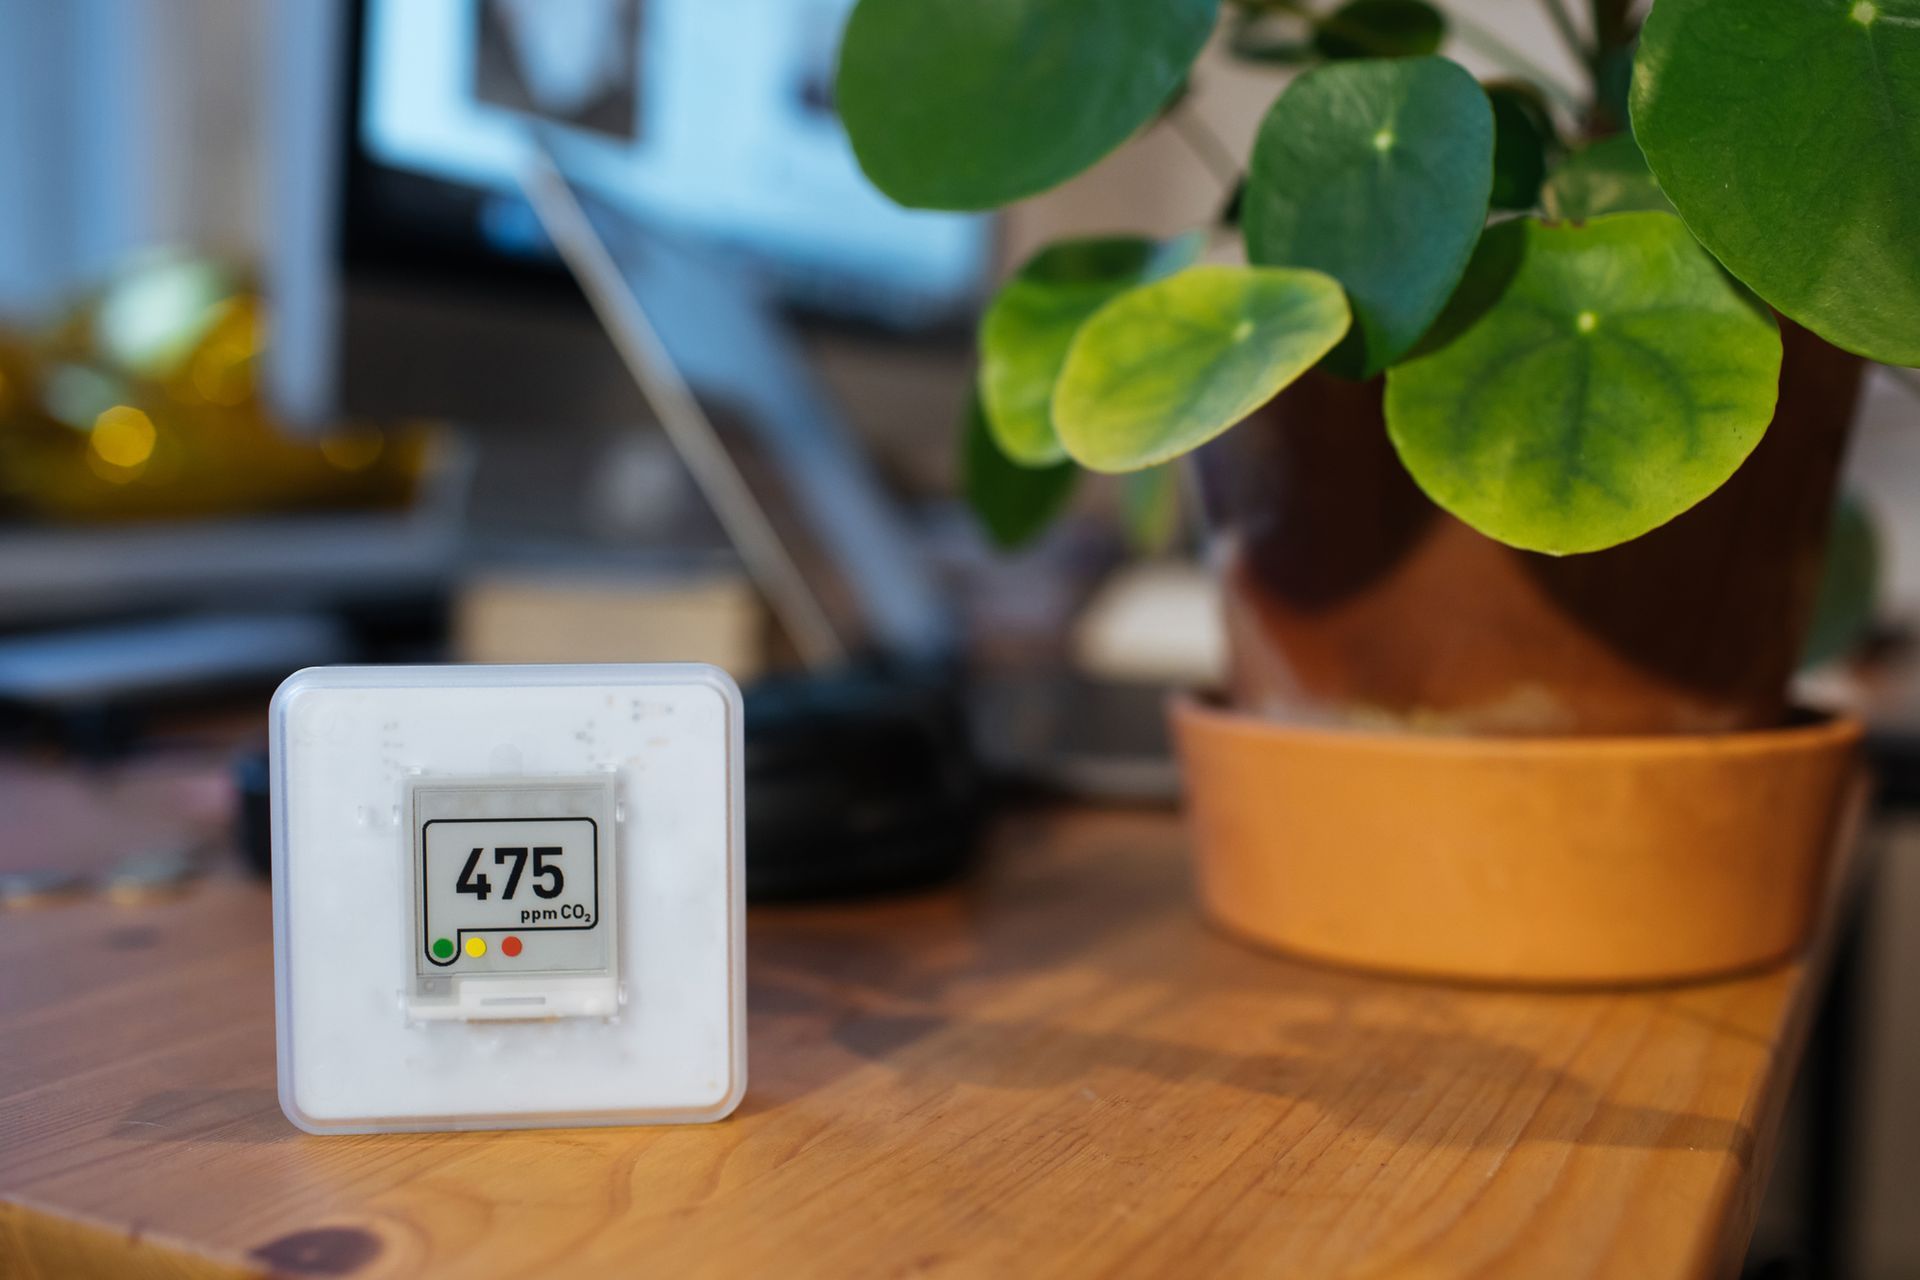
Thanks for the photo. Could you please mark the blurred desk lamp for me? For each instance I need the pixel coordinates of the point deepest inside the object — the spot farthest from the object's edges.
(682, 160)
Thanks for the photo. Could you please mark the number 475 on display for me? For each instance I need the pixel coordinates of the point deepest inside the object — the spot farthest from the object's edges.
(548, 880)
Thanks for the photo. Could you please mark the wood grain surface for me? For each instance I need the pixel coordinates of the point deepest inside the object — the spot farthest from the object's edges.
(1057, 1070)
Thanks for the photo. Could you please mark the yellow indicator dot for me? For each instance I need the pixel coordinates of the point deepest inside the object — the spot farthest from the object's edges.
(1586, 321)
(1383, 140)
(476, 947)
(1864, 12)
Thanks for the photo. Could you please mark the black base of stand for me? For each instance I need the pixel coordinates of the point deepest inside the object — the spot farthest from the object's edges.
(861, 782)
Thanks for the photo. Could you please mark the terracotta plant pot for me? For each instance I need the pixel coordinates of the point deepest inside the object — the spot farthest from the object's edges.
(1445, 756)
(1519, 860)
(1352, 598)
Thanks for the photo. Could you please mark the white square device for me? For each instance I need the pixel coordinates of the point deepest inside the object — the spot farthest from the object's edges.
(507, 896)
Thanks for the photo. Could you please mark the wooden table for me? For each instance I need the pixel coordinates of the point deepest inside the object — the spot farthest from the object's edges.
(1057, 1070)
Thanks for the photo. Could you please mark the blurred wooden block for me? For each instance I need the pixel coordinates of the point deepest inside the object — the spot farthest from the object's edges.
(527, 617)
(1158, 623)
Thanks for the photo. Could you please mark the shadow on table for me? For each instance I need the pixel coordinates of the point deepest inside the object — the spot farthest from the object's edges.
(1537, 1103)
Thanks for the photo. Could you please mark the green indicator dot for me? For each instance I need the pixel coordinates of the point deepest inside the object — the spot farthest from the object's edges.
(443, 949)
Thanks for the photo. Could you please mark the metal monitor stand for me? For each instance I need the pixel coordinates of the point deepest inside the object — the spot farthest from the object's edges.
(684, 314)
(860, 776)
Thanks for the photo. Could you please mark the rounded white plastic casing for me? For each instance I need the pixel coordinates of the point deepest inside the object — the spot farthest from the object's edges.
(350, 744)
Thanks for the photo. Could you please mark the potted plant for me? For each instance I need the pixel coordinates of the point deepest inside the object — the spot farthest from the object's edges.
(1520, 416)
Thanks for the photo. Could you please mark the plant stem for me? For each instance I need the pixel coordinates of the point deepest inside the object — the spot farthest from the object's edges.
(1205, 144)
(1616, 27)
(1569, 34)
(1479, 38)
(1612, 24)
(1484, 41)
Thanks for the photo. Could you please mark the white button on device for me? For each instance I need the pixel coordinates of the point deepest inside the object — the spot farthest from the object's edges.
(507, 896)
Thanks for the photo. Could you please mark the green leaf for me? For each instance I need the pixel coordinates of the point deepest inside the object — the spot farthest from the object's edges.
(1381, 29)
(1523, 135)
(960, 104)
(1587, 384)
(1608, 176)
(1849, 586)
(1013, 502)
(1026, 331)
(1167, 366)
(1787, 133)
(1150, 507)
(1378, 174)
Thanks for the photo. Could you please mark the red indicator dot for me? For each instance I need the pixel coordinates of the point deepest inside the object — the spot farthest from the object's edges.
(510, 945)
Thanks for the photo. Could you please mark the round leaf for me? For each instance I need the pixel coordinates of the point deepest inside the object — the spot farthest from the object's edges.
(1026, 331)
(1522, 135)
(1381, 29)
(956, 104)
(1787, 133)
(1167, 366)
(1608, 176)
(1378, 174)
(1014, 503)
(1587, 384)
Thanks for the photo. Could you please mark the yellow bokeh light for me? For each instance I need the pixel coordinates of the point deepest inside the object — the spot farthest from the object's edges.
(222, 372)
(123, 437)
(222, 369)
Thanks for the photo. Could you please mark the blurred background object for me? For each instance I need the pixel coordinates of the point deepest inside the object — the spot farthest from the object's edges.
(142, 403)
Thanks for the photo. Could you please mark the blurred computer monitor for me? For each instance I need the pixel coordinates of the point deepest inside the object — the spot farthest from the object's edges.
(411, 277)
